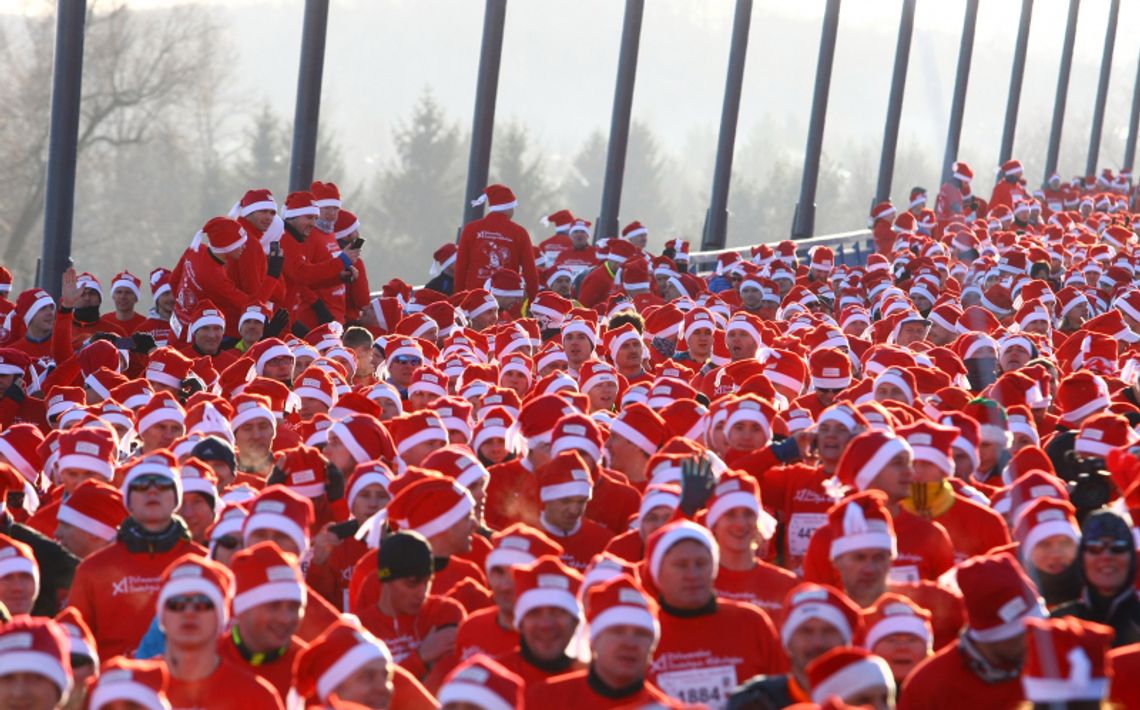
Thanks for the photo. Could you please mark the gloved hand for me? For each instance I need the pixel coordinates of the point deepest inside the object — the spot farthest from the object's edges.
(143, 343)
(277, 323)
(323, 312)
(276, 262)
(299, 329)
(15, 393)
(334, 483)
(697, 484)
(787, 451)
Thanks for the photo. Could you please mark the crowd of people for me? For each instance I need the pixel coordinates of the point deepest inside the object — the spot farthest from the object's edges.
(579, 474)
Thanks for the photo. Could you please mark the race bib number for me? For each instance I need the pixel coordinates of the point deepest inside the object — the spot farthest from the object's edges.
(903, 574)
(707, 686)
(801, 527)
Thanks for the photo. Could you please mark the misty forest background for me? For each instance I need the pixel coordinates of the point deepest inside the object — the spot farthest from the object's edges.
(172, 135)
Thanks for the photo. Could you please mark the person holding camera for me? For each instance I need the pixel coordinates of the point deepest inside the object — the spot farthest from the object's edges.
(1106, 564)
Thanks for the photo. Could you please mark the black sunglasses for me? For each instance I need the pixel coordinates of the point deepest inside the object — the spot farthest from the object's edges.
(194, 602)
(151, 480)
(1116, 547)
(229, 542)
(406, 360)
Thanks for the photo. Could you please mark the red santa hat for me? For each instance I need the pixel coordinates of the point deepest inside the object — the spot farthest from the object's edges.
(365, 438)
(846, 672)
(325, 194)
(482, 682)
(456, 415)
(498, 198)
(264, 574)
(642, 427)
(1043, 518)
(1065, 661)
(458, 463)
(962, 171)
(167, 366)
(830, 369)
(565, 476)
(299, 204)
(546, 582)
(159, 282)
(560, 220)
(883, 210)
(1011, 168)
(194, 574)
(577, 432)
(895, 614)
(1080, 395)
(736, 489)
(862, 522)
(1102, 433)
(137, 683)
(88, 449)
(37, 646)
(254, 201)
(520, 544)
(278, 508)
(593, 373)
(866, 455)
(340, 651)
(665, 537)
(79, 635)
(932, 443)
(248, 407)
(413, 429)
(493, 423)
(430, 506)
(225, 235)
(808, 601)
(269, 349)
(127, 280)
(95, 507)
(747, 323)
(19, 445)
(750, 408)
(367, 474)
(620, 602)
(31, 302)
(5, 280)
(18, 558)
(583, 326)
(634, 229)
(822, 259)
(999, 597)
(162, 407)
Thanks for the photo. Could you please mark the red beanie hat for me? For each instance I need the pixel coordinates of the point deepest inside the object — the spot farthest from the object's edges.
(430, 506)
(482, 682)
(263, 574)
(846, 672)
(194, 574)
(808, 601)
(866, 455)
(278, 508)
(861, 522)
(999, 597)
(38, 646)
(335, 655)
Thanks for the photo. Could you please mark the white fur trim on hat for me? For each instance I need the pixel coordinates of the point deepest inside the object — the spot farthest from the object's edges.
(625, 615)
(898, 624)
(533, 599)
(822, 610)
(284, 590)
(372, 649)
(686, 530)
(73, 517)
(862, 675)
(456, 513)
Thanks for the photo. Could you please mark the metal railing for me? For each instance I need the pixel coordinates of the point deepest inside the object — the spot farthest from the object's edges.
(851, 249)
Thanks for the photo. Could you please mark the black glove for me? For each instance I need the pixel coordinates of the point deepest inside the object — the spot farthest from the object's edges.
(277, 323)
(15, 393)
(697, 484)
(109, 337)
(323, 312)
(334, 483)
(787, 451)
(190, 386)
(276, 262)
(143, 343)
(299, 329)
(276, 477)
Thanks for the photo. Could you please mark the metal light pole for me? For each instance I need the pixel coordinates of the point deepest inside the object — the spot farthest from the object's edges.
(716, 222)
(894, 104)
(63, 143)
(1133, 124)
(607, 223)
(307, 114)
(1102, 87)
(958, 107)
(1062, 88)
(804, 223)
(486, 92)
(1013, 102)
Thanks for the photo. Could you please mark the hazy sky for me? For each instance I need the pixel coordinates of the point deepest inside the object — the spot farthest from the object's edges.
(559, 60)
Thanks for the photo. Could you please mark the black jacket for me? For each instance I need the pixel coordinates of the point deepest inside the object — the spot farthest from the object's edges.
(763, 692)
(57, 565)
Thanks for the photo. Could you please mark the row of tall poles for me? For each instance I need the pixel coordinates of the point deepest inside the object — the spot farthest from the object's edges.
(68, 69)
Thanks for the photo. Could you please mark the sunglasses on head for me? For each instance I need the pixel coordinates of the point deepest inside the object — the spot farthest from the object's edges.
(406, 360)
(194, 602)
(145, 483)
(1116, 547)
(829, 390)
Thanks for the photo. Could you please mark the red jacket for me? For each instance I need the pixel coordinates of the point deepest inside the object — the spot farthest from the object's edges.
(481, 632)
(321, 247)
(302, 276)
(765, 585)
(711, 653)
(115, 592)
(580, 546)
(278, 672)
(200, 275)
(945, 680)
(491, 243)
(220, 688)
(575, 690)
(403, 634)
(1124, 663)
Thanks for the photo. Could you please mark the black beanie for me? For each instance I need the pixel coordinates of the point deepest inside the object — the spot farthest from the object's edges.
(404, 555)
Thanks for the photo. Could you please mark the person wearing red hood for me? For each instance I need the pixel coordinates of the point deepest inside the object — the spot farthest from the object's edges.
(495, 242)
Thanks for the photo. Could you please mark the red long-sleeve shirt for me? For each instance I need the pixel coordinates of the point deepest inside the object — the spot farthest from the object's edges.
(491, 243)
